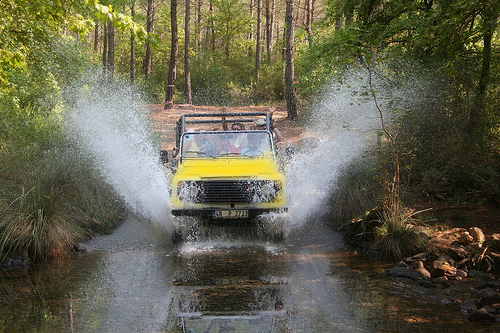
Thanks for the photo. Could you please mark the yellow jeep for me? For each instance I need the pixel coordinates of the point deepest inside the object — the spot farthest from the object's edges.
(226, 174)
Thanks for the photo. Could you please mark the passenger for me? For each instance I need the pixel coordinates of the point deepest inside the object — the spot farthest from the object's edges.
(238, 127)
(260, 124)
(224, 144)
(225, 126)
(196, 144)
(257, 144)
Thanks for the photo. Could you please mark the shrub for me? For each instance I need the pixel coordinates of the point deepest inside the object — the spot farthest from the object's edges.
(397, 238)
(356, 189)
(53, 201)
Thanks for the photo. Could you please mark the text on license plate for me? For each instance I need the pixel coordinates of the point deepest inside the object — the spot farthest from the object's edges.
(230, 214)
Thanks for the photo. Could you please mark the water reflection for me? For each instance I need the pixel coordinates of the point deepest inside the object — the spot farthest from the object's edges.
(212, 286)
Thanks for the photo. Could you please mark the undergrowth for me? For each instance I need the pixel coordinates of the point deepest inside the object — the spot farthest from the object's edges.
(397, 236)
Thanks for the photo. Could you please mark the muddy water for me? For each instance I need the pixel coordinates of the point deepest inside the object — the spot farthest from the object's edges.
(135, 281)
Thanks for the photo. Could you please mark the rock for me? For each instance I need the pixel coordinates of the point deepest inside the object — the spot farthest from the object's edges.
(477, 234)
(440, 268)
(482, 315)
(494, 285)
(424, 256)
(489, 300)
(405, 273)
(447, 259)
(464, 264)
(427, 284)
(496, 242)
(461, 273)
(468, 307)
(480, 275)
(446, 301)
(457, 252)
(419, 267)
(15, 260)
(442, 280)
(465, 239)
(402, 264)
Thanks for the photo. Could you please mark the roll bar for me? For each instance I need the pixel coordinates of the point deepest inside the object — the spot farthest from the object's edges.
(218, 118)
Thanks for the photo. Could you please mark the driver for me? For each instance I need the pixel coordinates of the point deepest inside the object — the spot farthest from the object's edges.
(257, 144)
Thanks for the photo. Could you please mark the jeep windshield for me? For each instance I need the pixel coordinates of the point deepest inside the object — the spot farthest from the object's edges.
(228, 143)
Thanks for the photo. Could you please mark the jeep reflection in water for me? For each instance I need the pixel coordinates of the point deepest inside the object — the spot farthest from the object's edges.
(226, 174)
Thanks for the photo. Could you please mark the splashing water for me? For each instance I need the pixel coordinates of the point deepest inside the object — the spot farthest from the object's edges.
(114, 128)
(343, 123)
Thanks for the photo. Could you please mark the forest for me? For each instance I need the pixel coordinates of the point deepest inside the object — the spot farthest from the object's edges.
(247, 52)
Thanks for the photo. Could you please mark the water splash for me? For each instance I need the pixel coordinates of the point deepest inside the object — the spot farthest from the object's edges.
(113, 127)
(343, 123)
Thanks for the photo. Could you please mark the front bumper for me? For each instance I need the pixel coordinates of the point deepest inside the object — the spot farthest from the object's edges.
(252, 212)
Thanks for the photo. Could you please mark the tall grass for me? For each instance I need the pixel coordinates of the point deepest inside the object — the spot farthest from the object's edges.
(58, 202)
(397, 237)
(356, 190)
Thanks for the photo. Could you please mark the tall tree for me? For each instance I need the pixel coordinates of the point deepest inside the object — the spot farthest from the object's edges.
(291, 103)
(187, 50)
(132, 48)
(104, 49)
(111, 52)
(96, 36)
(197, 26)
(150, 13)
(270, 10)
(477, 116)
(258, 37)
(309, 20)
(172, 71)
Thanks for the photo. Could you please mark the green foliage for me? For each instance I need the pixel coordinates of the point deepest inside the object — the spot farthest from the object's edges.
(232, 24)
(397, 237)
(60, 204)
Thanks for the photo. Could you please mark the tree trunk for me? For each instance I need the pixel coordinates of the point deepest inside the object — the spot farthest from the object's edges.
(96, 36)
(132, 48)
(187, 65)
(309, 20)
(104, 49)
(250, 34)
(270, 9)
(258, 38)
(172, 72)
(198, 28)
(150, 30)
(111, 52)
(291, 103)
(212, 27)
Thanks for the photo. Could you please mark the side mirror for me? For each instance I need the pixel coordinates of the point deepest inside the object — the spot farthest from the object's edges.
(163, 156)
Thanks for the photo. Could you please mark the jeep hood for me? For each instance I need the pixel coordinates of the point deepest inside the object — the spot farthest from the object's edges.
(228, 167)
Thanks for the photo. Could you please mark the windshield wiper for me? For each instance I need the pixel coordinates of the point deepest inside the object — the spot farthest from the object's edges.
(195, 152)
(200, 152)
(230, 154)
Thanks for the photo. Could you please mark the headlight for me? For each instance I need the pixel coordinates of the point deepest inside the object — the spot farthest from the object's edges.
(189, 191)
(267, 191)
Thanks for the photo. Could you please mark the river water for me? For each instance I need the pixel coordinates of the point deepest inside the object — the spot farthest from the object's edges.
(135, 280)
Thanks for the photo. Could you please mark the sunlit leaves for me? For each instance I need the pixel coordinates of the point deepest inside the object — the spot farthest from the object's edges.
(106, 13)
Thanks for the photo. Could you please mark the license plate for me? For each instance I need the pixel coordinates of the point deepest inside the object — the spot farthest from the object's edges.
(230, 214)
